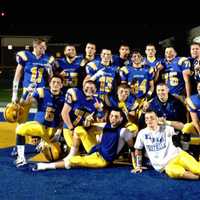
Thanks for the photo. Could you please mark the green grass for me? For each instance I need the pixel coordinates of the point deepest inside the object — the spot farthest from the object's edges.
(5, 95)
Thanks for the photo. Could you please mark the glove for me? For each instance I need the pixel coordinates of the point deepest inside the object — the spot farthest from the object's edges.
(88, 120)
(32, 87)
(57, 135)
(14, 98)
(49, 69)
(40, 147)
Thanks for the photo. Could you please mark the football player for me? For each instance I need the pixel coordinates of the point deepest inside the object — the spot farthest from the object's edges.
(103, 73)
(32, 68)
(114, 136)
(139, 77)
(81, 108)
(176, 73)
(47, 120)
(123, 59)
(152, 61)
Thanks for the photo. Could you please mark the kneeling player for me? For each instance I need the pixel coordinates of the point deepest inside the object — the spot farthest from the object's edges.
(47, 119)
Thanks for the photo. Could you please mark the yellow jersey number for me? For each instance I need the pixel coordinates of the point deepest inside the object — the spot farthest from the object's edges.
(105, 84)
(49, 115)
(136, 87)
(37, 73)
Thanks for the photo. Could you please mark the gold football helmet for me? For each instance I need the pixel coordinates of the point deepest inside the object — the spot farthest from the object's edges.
(52, 152)
(13, 112)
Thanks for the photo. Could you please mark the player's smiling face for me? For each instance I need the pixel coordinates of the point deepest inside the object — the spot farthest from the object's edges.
(89, 89)
(151, 120)
(55, 85)
(124, 51)
(162, 92)
(70, 52)
(123, 94)
(170, 54)
(106, 55)
(40, 49)
(115, 118)
(195, 51)
(136, 58)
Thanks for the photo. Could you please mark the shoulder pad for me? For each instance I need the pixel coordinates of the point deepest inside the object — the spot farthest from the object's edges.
(124, 69)
(23, 55)
(92, 65)
(73, 93)
(182, 60)
(190, 103)
(51, 59)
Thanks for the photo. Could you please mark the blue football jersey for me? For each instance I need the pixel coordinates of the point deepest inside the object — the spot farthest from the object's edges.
(109, 143)
(193, 104)
(138, 78)
(35, 69)
(81, 106)
(49, 108)
(131, 103)
(119, 62)
(93, 67)
(153, 63)
(173, 74)
(173, 109)
(70, 72)
(106, 83)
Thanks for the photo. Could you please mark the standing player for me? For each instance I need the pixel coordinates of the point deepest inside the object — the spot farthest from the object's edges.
(195, 65)
(164, 156)
(47, 119)
(103, 73)
(152, 61)
(123, 59)
(69, 68)
(176, 74)
(139, 77)
(33, 67)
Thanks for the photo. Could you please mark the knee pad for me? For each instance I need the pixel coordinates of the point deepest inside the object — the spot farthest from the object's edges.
(185, 141)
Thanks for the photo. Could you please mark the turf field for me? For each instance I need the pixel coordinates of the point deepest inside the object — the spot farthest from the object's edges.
(86, 184)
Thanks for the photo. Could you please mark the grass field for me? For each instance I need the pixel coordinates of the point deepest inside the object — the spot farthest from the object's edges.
(6, 95)
(114, 182)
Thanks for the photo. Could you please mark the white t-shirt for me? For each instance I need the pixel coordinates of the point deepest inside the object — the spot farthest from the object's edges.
(158, 145)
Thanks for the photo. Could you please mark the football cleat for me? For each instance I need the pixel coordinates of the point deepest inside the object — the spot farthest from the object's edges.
(20, 162)
(34, 168)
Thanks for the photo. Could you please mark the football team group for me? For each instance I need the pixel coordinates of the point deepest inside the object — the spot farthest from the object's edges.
(101, 106)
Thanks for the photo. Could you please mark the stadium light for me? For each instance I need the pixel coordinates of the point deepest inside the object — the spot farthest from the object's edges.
(10, 47)
(197, 39)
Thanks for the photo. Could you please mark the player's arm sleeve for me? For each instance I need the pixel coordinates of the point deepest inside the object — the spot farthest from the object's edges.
(139, 142)
(70, 96)
(91, 69)
(21, 58)
(123, 72)
(126, 134)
